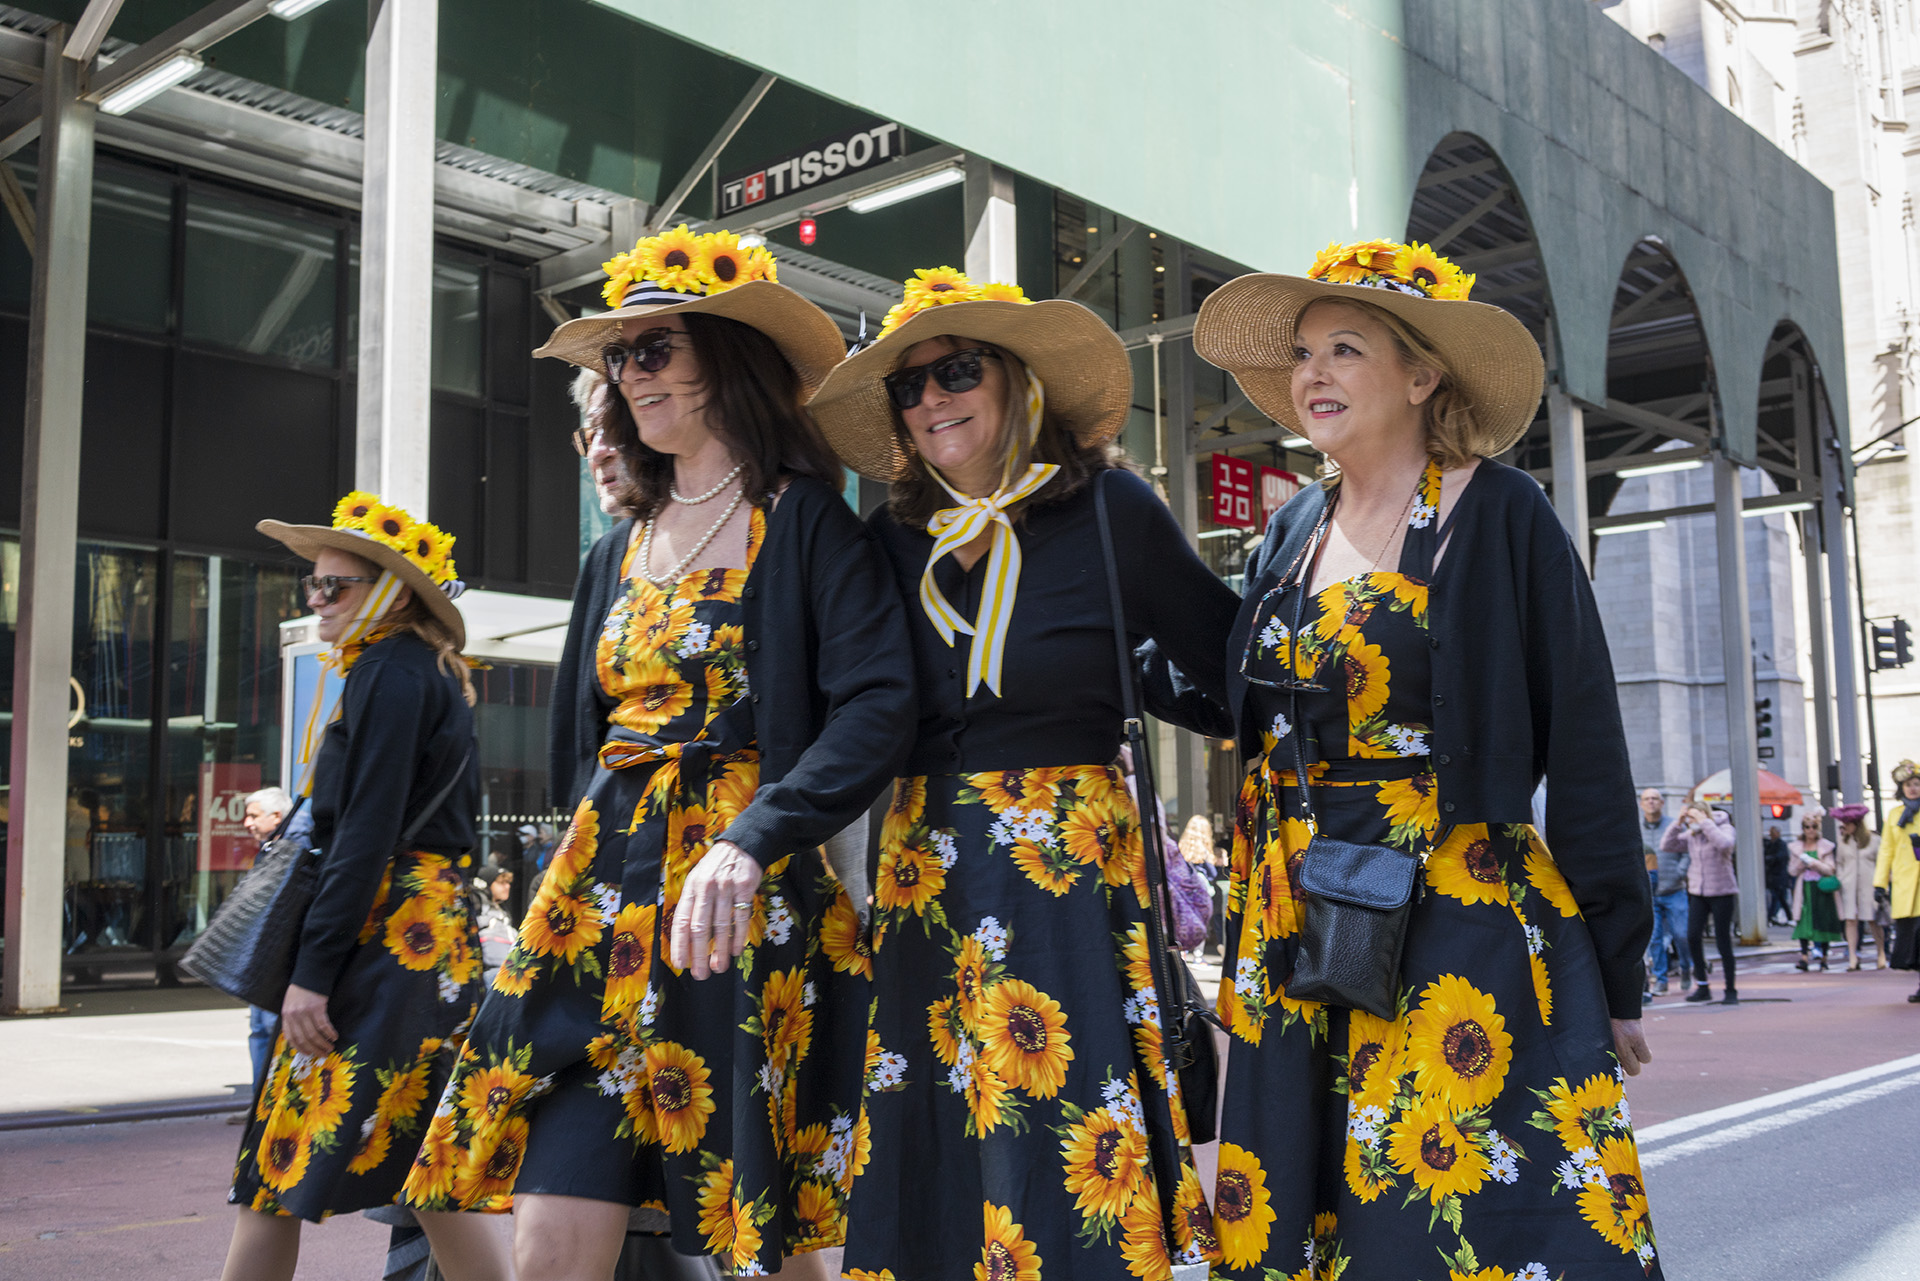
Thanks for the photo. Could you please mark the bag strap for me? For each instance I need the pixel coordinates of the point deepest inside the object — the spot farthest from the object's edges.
(439, 798)
(286, 820)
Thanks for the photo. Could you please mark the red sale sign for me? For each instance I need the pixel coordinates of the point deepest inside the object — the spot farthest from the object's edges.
(1276, 487)
(1233, 498)
(225, 845)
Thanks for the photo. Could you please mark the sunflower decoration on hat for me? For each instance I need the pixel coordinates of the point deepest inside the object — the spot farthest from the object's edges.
(409, 553)
(711, 272)
(1077, 379)
(1247, 327)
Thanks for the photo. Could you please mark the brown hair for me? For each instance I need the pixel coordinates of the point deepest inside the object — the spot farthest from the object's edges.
(755, 405)
(1446, 414)
(415, 617)
(916, 495)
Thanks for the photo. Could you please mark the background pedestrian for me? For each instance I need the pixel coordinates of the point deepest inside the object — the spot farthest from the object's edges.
(1707, 837)
(1667, 871)
(1810, 865)
(1897, 871)
(1773, 865)
(265, 811)
(1855, 852)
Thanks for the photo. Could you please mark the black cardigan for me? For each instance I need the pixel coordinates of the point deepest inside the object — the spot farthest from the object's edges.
(1522, 687)
(404, 726)
(827, 660)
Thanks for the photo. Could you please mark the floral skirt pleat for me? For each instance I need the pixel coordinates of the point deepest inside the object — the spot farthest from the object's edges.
(597, 1070)
(338, 1133)
(1486, 1125)
(1016, 1088)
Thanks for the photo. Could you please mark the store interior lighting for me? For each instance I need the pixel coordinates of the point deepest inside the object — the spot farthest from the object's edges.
(150, 84)
(1634, 527)
(906, 190)
(1805, 505)
(1219, 533)
(1655, 469)
(1295, 442)
(291, 9)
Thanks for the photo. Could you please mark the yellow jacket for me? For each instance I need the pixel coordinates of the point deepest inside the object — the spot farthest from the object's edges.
(1897, 870)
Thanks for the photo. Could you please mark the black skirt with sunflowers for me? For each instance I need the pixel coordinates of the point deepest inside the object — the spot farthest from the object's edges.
(1481, 1132)
(1016, 1085)
(598, 1070)
(335, 1134)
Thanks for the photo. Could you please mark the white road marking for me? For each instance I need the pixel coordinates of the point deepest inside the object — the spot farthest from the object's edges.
(1767, 1102)
(1777, 1121)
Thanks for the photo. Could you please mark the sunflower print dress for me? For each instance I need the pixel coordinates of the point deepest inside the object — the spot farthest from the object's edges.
(1483, 1133)
(596, 1069)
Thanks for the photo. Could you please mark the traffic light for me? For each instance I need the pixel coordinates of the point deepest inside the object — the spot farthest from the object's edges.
(1892, 644)
(1763, 718)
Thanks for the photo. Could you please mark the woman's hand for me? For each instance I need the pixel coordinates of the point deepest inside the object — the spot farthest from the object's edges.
(715, 912)
(303, 1017)
(1630, 1046)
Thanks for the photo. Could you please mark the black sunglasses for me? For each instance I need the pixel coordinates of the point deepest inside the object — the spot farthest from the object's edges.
(652, 351)
(584, 439)
(1297, 575)
(956, 371)
(329, 586)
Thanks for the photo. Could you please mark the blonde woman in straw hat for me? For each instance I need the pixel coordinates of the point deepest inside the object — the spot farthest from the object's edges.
(1897, 871)
(1418, 633)
(386, 976)
(680, 1027)
(1021, 1110)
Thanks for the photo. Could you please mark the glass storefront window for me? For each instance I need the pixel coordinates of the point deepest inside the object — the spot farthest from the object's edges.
(259, 281)
(510, 722)
(130, 277)
(457, 329)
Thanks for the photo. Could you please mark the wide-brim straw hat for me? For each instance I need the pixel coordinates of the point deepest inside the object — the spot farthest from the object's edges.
(805, 335)
(308, 541)
(1246, 327)
(1080, 361)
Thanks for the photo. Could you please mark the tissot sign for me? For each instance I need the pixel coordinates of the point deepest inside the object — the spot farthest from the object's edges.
(812, 165)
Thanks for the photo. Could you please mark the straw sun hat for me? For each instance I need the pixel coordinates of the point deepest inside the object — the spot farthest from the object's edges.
(679, 271)
(1080, 362)
(419, 554)
(1246, 327)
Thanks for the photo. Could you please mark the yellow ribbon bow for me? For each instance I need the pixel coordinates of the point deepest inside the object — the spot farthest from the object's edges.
(954, 527)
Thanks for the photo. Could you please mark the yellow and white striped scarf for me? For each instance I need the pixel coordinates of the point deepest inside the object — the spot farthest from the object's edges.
(340, 659)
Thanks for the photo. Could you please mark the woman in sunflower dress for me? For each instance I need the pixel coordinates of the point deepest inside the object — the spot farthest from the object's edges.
(1024, 1122)
(735, 690)
(1420, 630)
(386, 974)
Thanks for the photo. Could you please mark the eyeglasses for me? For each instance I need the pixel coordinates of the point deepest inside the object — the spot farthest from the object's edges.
(329, 586)
(956, 371)
(1298, 575)
(585, 438)
(652, 351)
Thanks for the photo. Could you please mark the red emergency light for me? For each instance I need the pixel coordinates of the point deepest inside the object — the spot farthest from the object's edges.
(808, 230)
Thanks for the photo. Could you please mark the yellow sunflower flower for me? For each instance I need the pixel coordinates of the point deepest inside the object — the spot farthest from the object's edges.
(560, 925)
(417, 933)
(746, 1235)
(577, 847)
(406, 1091)
(817, 1218)
(1443, 1161)
(1480, 1274)
(904, 811)
(629, 960)
(285, 1149)
(436, 1163)
(390, 525)
(987, 1101)
(670, 260)
(1105, 1161)
(1459, 289)
(1192, 1219)
(1365, 674)
(351, 512)
(760, 265)
(908, 879)
(862, 1151)
(1092, 832)
(933, 285)
(327, 1085)
(970, 974)
(1347, 269)
(371, 1152)
(1024, 1038)
(1019, 789)
(682, 1097)
(785, 1020)
(1147, 1042)
(1410, 800)
(1242, 1213)
(1617, 1209)
(1052, 869)
(897, 315)
(1468, 867)
(687, 842)
(1367, 1175)
(721, 263)
(732, 791)
(1418, 264)
(1544, 875)
(1137, 959)
(515, 978)
(1375, 1059)
(1143, 1241)
(996, 291)
(944, 1030)
(1007, 1255)
(1583, 1113)
(1542, 988)
(488, 1096)
(1378, 255)
(715, 1199)
(843, 940)
(1458, 1045)
(488, 1172)
(660, 694)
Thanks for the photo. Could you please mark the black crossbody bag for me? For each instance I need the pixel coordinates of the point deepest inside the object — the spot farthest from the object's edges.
(247, 949)
(1186, 1022)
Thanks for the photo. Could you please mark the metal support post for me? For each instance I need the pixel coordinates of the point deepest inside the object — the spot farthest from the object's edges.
(1567, 429)
(49, 533)
(1177, 365)
(1817, 626)
(1844, 628)
(992, 252)
(396, 253)
(1736, 656)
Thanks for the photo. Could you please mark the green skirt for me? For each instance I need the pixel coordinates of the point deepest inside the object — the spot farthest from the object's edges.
(1819, 919)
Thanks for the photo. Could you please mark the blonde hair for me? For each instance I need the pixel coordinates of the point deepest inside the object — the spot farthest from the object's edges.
(1196, 841)
(1447, 415)
(417, 618)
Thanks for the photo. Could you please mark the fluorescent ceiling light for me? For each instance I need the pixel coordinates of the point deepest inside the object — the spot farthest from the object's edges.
(151, 83)
(1221, 533)
(1634, 527)
(1654, 469)
(906, 190)
(1805, 505)
(291, 9)
(1295, 442)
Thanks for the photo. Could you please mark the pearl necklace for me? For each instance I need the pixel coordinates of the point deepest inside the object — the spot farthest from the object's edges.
(711, 493)
(672, 576)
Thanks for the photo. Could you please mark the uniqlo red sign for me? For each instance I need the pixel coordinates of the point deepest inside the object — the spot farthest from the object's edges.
(1233, 496)
(1276, 487)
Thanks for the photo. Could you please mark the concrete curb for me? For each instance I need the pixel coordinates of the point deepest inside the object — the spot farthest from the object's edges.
(156, 1111)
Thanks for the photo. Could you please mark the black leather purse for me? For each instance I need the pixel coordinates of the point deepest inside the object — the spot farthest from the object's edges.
(247, 949)
(1186, 1034)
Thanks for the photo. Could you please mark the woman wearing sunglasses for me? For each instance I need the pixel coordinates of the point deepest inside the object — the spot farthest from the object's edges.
(680, 1026)
(1419, 639)
(386, 973)
(1018, 1098)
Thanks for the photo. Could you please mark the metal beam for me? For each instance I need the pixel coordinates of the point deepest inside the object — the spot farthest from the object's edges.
(19, 208)
(1736, 658)
(1759, 505)
(1493, 259)
(1634, 415)
(1258, 436)
(1141, 335)
(1567, 432)
(1468, 170)
(834, 195)
(1098, 258)
(84, 43)
(580, 266)
(189, 35)
(49, 533)
(1220, 415)
(709, 153)
(19, 121)
(989, 222)
(1625, 316)
(1486, 206)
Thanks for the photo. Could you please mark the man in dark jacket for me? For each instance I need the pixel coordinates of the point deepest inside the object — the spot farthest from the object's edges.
(1774, 854)
(1668, 873)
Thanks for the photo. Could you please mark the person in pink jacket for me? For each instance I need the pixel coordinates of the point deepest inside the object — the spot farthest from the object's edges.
(1707, 837)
